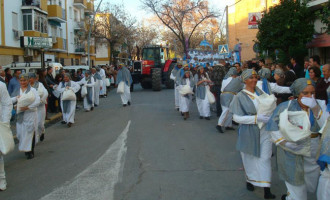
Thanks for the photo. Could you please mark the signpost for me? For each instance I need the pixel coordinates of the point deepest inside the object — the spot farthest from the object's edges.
(223, 49)
(254, 19)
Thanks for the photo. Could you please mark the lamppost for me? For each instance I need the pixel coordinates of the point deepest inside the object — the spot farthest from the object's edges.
(89, 34)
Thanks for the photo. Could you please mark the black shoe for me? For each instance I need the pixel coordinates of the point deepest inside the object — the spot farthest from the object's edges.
(284, 197)
(219, 129)
(30, 155)
(129, 103)
(182, 114)
(63, 122)
(69, 124)
(268, 194)
(249, 186)
(124, 105)
(230, 128)
(207, 118)
(42, 137)
(92, 108)
(200, 117)
(95, 105)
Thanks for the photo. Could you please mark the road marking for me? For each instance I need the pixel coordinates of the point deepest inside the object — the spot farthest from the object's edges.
(99, 179)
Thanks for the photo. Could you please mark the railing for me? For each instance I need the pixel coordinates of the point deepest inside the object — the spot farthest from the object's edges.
(80, 49)
(31, 3)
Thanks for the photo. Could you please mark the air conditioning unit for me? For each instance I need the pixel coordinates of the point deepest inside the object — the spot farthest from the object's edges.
(54, 39)
(16, 34)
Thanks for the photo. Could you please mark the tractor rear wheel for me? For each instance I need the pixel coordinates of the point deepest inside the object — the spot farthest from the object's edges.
(156, 79)
(169, 82)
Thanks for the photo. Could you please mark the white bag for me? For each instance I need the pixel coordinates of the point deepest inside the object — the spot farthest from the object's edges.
(121, 87)
(6, 139)
(210, 96)
(294, 125)
(186, 89)
(69, 95)
(267, 105)
(25, 100)
(83, 91)
(107, 82)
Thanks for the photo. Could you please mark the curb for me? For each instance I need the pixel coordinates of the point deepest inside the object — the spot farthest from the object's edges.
(53, 118)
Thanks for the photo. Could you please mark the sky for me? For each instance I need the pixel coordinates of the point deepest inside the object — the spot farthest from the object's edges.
(134, 7)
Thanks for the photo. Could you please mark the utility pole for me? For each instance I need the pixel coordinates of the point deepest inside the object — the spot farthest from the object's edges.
(89, 34)
(227, 27)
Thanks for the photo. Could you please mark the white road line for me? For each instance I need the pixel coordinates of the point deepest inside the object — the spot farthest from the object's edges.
(98, 181)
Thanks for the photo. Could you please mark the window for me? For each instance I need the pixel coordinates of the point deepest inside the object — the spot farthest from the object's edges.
(72, 37)
(70, 12)
(27, 22)
(40, 23)
(60, 32)
(15, 21)
(76, 16)
(54, 31)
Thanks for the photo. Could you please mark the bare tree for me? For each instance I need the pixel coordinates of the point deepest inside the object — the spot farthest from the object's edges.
(182, 17)
(113, 25)
(144, 36)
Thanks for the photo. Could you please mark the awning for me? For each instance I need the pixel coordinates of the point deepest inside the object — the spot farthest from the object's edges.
(322, 40)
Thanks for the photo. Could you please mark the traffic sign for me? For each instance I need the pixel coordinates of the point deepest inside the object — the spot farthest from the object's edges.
(223, 49)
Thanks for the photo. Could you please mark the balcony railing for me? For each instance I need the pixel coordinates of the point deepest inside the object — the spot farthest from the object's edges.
(80, 49)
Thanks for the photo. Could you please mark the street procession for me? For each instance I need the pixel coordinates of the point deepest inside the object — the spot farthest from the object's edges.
(164, 99)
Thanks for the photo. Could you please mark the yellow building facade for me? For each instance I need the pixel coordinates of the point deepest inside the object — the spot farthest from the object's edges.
(238, 24)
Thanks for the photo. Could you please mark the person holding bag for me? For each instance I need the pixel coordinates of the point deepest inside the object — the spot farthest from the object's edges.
(186, 81)
(296, 160)
(68, 88)
(97, 86)
(124, 76)
(253, 143)
(202, 81)
(89, 83)
(230, 86)
(27, 100)
(5, 115)
(41, 110)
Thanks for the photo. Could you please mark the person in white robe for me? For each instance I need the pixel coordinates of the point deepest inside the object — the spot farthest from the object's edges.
(27, 116)
(253, 143)
(41, 110)
(97, 86)
(89, 83)
(230, 86)
(202, 81)
(103, 91)
(6, 107)
(296, 161)
(124, 75)
(186, 98)
(68, 106)
(173, 76)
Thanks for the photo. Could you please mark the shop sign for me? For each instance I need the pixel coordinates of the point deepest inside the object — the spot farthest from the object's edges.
(37, 42)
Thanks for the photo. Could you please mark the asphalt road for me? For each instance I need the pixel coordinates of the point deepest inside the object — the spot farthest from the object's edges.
(142, 152)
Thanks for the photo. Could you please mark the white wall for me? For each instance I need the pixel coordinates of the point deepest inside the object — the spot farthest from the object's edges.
(102, 50)
(13, 6)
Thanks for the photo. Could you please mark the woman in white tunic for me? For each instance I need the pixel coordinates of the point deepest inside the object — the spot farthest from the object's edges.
(27, 116)
(176, 89)
(97, 86)
(202, 81)
(41, 110)
(185, 99)
(103, 91)
(124, 75)
(230, 86)
(254, 144)
(299, 171)
(6, 107)
(68, 107)
(89, 83)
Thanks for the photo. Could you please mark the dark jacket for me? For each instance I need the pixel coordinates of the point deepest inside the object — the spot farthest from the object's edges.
(321, 90)
(299, 71)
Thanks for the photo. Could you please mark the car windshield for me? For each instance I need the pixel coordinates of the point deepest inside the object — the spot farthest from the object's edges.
(151, 54)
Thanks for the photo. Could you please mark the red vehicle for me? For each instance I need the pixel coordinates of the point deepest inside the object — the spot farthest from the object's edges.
(154, 69)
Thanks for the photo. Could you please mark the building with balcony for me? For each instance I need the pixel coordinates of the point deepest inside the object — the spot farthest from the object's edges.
(59, 25)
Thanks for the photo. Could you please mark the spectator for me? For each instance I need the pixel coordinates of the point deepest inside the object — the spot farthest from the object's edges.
(322, 84)
(14, 82)
(8, 75)
(238, 68)
(306, 65)
(314, 61)
(216, 77)
(298, 70)
(51, 83)
(314, 74)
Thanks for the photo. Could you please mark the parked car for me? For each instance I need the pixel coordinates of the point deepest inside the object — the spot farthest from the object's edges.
(33, 67)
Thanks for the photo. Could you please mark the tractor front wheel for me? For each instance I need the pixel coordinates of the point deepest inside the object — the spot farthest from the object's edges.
(156, 79)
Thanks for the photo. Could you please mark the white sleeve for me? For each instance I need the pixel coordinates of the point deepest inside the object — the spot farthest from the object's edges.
(43, 99)
(172, 76)
(75, 86)
(6, 104)
(59, 88)
(92, 83)
(245, 119)
(323, 114)
(279, 89)
(277, 137)
(81, 82)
